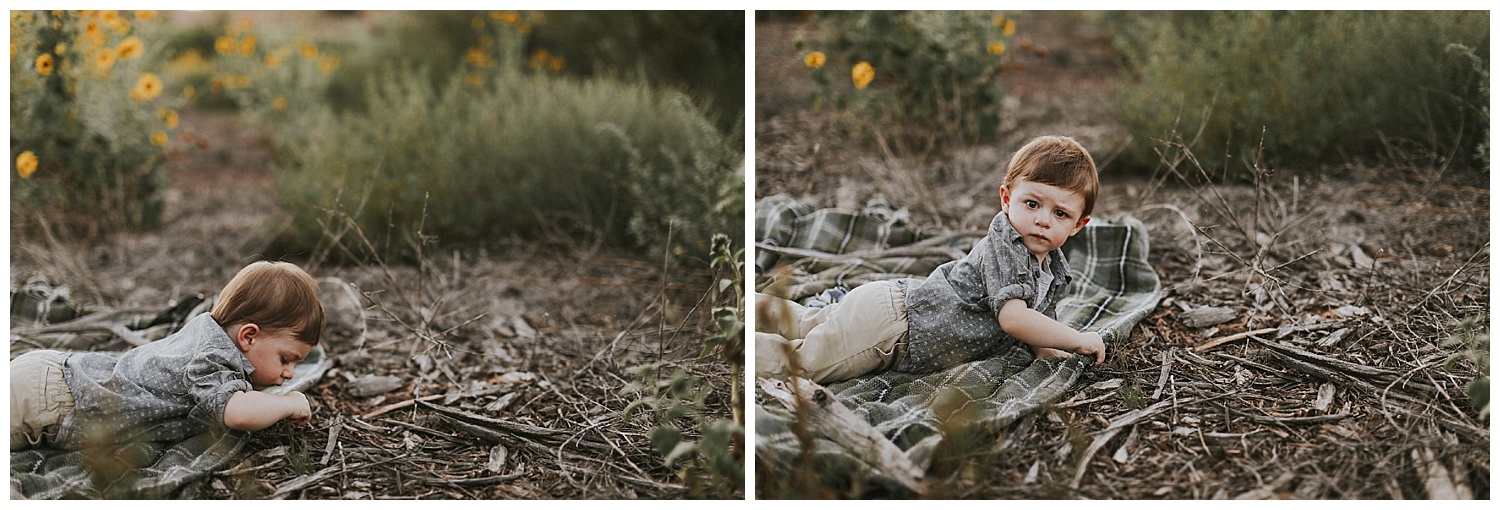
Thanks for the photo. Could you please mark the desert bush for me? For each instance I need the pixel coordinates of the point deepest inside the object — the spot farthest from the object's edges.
(90, 120)
(926, 72)
(520, 154)
(701, 53)
(698, 53)
(1319, 85)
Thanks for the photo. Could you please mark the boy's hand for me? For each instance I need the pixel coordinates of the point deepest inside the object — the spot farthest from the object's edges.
(1047, 352)
(1091, 344)
(300, 409)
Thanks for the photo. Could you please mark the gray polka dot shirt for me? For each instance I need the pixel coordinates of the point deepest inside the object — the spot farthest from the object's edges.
(164, 391)
(952, 315)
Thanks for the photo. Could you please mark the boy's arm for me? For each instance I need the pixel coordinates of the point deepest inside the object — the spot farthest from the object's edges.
(1038, 330)
(250, 411)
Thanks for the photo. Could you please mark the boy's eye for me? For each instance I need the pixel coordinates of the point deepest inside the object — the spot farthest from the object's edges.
(1031, 203)
(1060, 213)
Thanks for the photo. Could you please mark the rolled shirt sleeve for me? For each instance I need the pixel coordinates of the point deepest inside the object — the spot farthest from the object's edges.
(210, 380)
(164, 391)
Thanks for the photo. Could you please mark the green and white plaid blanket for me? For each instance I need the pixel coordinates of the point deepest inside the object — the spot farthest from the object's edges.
(1113, 287)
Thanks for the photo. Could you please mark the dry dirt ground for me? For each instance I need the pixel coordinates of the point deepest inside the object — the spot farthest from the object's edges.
(540, 334)
(1323, 373)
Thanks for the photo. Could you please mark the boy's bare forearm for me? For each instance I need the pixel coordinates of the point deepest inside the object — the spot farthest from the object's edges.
(1034, 328)
(255, 410)
(1042, 332)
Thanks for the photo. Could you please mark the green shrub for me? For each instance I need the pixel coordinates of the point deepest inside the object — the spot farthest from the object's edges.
(1320, 85)
(89, 119)
(924, 71)
(517, 155)
(701, 53)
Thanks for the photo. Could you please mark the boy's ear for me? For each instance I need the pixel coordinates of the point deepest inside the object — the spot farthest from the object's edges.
(1004, 199)
(244, 335)
(1081, 222)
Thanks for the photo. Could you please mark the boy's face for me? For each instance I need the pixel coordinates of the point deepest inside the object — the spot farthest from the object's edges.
(1045, 215)
(272, 354)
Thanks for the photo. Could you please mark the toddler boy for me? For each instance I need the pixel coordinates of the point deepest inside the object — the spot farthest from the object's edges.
(1007, 287)
(208, 376)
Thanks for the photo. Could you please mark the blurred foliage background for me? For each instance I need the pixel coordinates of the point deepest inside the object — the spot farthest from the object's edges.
(620, 128)
(1303, 87)
(1321, 86)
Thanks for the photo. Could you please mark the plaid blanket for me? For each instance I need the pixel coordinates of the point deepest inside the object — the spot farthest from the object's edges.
(1113, 288)
(141, 470)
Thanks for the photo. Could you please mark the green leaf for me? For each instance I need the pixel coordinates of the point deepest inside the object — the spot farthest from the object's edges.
(677, 410)
(1479, 395)
(665, 439)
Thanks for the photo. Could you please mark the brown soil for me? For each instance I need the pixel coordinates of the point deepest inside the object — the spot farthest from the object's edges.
(1398, 252)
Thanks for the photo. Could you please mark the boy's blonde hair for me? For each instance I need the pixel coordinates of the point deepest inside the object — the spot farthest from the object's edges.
(276, 296)
(1056, 161)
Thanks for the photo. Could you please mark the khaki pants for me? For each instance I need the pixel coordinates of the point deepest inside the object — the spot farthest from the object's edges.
(39, 398)
(863, 333)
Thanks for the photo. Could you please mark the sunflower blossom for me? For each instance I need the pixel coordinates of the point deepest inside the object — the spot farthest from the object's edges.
(104, 60)
(26, 164)
(147, 87)
(1009, 29)
(996, 48)
(159, 138)
(815, 59)
(863, 74)
(131, 47)
(44, 64)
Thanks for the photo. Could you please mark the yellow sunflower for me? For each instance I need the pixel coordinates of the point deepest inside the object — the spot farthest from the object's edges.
(273, 60)
(26, 164)
(538, 57)
(247, 46)
(996, 48)
(44, 64)
(1010, 28)
(131, 47)
(863, 74)
(278, 102)
(168, 115)
(159, 138)
(309, 51)
(104, 60)
(145, 15)
(224, 44)
(147, 87)
(815, 59)
(556, 64)
(119, 25)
